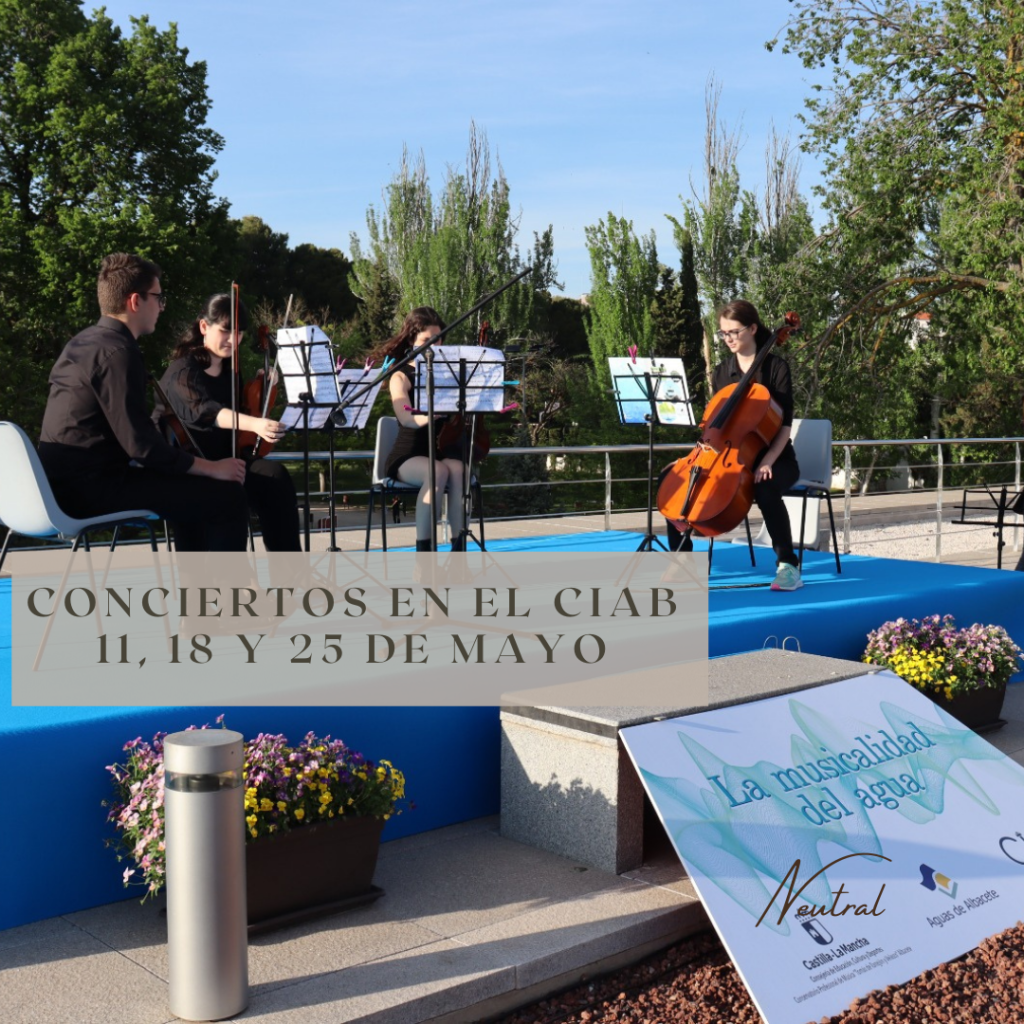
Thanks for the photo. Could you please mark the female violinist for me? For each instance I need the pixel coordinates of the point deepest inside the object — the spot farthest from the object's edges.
(775, 469)
(198, 386)
(408, 460)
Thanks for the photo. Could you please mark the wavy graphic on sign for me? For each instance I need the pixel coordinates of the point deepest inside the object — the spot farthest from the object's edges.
(754, 821)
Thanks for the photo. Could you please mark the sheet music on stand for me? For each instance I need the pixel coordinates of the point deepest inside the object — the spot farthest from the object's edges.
(357, 414)
(671, 392)
(306, 365)
(485, 378)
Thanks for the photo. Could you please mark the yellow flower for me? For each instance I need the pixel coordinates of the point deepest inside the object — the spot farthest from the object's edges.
(266, 804)
(299, 814)
(282, 806)
(251, 820)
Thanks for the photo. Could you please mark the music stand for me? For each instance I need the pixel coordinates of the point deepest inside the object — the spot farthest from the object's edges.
(312, 388)
(651, 391)
(466, 379)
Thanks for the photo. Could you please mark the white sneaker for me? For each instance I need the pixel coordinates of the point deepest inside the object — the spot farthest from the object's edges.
(787, 578)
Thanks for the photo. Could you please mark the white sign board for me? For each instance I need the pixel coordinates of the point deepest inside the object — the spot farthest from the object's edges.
(865, 769)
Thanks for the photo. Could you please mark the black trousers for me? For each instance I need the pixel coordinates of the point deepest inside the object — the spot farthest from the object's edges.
(207, 515)
(768, 495)
(272, 497)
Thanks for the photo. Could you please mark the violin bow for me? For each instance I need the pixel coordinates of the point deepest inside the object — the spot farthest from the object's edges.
(269, 370)
(234, 367)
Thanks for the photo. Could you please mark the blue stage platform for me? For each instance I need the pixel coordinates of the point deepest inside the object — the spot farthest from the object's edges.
(52, 856)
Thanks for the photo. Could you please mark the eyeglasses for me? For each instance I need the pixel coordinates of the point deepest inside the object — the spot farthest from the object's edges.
(730, 335)
(161, 297)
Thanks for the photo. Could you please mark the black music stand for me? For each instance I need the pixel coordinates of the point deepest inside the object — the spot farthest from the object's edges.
(313, 389)
(467, 379)
(651, 391)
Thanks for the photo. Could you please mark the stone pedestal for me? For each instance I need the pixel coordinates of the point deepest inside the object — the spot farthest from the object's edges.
(568, 785)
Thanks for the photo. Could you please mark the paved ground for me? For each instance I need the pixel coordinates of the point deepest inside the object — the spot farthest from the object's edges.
(472, 923)
(889, 526)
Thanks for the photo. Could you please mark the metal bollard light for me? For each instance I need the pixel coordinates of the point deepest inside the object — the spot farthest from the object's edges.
(204, 815)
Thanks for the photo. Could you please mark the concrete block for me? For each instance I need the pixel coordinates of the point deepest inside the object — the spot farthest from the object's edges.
(567, 783)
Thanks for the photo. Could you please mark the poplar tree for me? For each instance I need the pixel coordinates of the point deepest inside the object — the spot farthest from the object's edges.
(451, 249)
(624, 279)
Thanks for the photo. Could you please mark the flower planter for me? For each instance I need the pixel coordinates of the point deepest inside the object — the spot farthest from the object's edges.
(311, 871)
(977, 709)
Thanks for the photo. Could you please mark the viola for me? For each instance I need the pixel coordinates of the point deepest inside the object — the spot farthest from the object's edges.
(456, 432)
(459, 428)
(171, 426)
(711, 490)
(256, 399)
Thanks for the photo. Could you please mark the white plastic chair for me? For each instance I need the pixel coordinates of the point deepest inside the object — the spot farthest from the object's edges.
(28, 507)
(386, 486)
(812, 441)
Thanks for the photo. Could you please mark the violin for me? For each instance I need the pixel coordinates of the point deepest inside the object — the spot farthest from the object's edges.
(711, 490)
(256, 399)
(459, 428)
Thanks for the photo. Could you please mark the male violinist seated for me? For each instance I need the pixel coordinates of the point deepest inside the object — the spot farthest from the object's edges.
(101, 451)
(198, 386)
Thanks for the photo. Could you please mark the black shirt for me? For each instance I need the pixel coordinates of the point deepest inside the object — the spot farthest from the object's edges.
(96, 420)
(196, 398)
(774, 375)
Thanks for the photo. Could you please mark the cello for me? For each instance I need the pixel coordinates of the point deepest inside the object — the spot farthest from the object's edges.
(711, 490)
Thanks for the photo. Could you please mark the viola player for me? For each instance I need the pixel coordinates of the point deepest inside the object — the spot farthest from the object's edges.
(198, 387)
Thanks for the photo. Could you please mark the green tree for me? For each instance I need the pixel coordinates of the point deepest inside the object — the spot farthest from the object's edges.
(677, 323)
(262, 260)
(922, 132)
(449, 250)
(321, 277)
(716, 223)
(103, 147)
(624, 279)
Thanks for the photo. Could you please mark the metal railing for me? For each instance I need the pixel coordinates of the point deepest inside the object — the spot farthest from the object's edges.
(949, 475)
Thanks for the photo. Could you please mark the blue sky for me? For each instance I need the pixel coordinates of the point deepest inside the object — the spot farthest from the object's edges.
(591, 106)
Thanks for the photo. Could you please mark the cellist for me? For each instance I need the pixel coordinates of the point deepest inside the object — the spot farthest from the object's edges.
(776, 469)
(198, 386)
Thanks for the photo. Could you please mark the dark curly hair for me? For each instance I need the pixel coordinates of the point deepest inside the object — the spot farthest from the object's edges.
(416, 320)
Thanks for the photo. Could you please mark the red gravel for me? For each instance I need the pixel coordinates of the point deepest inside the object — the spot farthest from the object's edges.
(695, 983)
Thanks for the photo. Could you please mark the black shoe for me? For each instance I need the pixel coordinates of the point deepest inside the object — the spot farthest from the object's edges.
(459, 542)
(424, 545)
